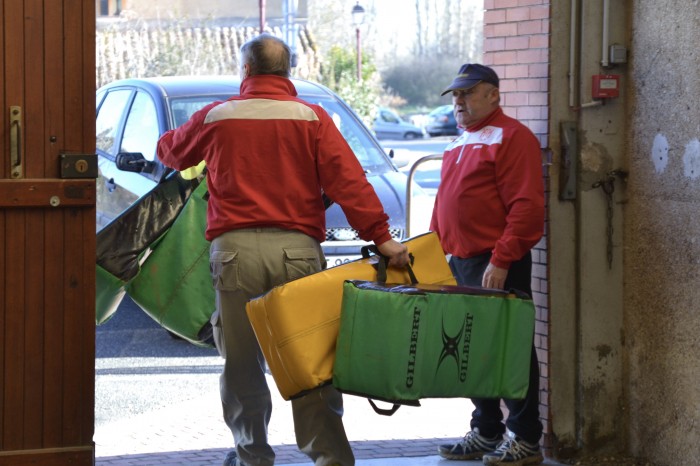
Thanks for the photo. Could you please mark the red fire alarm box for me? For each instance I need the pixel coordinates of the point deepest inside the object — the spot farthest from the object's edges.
(606, 86)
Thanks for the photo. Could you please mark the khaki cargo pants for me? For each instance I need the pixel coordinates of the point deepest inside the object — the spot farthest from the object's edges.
(244, 264)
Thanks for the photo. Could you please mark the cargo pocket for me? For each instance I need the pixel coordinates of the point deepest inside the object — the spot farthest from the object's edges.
(301, 262)
(223, 266)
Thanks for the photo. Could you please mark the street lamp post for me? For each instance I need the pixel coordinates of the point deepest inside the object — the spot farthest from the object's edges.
(262, 7)
(358, 17)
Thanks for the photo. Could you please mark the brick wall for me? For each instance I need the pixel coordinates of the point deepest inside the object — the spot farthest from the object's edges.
(516, 45)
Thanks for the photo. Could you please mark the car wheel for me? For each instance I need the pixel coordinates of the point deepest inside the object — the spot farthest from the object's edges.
(410, 136)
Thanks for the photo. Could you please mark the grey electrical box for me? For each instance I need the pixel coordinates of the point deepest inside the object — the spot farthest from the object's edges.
(618, 54)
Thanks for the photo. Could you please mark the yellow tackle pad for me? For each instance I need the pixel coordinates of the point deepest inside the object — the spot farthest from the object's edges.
(297, 323)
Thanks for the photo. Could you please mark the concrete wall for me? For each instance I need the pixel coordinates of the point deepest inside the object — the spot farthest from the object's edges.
(586, 253)
(662, 232)
(624, 335)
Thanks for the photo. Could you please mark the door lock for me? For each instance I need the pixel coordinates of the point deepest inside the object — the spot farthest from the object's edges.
(78, 166)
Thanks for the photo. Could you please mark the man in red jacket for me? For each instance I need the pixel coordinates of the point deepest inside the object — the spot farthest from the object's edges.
(489, 213)
(269, 158)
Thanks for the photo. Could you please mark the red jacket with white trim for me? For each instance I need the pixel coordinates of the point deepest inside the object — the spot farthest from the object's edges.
(269, 155)
(491, 194)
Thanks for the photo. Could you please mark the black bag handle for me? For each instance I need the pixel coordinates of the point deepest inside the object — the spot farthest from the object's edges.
(384, 261)
(394, 407)
(370, 248)
(384, 411)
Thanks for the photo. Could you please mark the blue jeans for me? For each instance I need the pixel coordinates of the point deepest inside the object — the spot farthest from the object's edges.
(523, 415)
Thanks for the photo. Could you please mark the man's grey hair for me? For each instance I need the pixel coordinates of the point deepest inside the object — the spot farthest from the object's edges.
(266, 54)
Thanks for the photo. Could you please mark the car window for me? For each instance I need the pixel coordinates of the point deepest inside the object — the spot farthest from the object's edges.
(183, 108)
(141, 129)
(389, 117)
(108, 117)
(370, 155)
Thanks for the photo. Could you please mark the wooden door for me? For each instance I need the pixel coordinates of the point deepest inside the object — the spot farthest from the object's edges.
(47, 232)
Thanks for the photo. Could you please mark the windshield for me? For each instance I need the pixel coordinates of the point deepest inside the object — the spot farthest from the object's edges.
(369, 153)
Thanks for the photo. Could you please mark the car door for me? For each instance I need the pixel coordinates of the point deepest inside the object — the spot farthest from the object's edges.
(127, 121)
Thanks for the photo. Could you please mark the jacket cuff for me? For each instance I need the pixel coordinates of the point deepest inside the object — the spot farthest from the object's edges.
(383, 238)
(498, 263)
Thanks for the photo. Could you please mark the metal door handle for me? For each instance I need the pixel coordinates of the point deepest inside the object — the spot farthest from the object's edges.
(15, 142)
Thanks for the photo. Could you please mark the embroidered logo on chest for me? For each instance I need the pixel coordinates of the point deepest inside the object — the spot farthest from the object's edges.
(486, 134)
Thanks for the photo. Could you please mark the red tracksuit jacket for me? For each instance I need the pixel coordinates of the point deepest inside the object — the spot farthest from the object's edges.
(269, 155)
(491, 194)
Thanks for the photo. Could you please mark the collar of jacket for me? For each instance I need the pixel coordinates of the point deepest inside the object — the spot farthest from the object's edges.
(262, 84)
(491, 116)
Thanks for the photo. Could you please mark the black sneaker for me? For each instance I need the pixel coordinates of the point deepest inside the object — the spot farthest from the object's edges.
(515, 451)
(473, 446)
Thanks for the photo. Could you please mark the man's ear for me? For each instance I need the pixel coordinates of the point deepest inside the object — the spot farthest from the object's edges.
(495, 94)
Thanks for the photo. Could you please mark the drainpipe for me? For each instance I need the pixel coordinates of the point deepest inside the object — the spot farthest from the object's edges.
(605, 60)
(575, 56)
(573, 76)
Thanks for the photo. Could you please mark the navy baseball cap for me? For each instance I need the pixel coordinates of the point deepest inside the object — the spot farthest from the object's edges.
(470, 75)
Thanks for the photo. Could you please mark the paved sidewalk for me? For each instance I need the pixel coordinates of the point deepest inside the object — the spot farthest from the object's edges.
(191, 432)
(157, 404)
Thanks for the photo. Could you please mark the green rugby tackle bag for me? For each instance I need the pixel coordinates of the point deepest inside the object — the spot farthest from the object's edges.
(401, 343)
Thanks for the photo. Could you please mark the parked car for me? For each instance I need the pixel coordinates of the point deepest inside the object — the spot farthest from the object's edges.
(441, 122)
(389, 125)
(133, 113)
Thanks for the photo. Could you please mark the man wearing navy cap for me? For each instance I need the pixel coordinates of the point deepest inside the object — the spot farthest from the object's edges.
(489, 213)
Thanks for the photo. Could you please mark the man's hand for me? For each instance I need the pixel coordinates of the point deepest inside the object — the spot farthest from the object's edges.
(396, 252)
(494, 277)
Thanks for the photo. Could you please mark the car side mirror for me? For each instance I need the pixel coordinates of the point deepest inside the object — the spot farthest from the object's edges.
(398, 163)
(134, 162)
